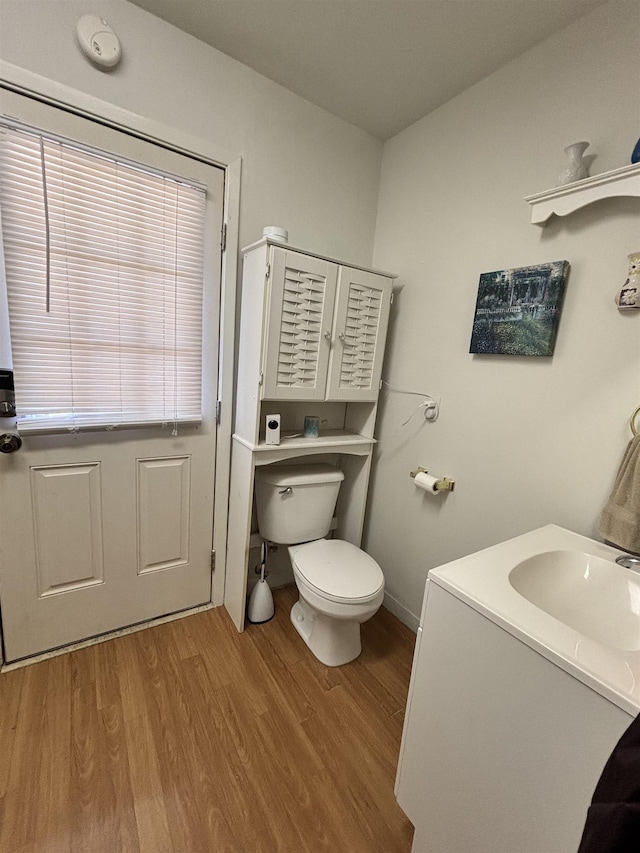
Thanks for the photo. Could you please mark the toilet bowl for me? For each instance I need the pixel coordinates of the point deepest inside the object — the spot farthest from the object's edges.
(339, 587)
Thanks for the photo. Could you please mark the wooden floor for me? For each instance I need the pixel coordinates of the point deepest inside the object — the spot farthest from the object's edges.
(190, 737)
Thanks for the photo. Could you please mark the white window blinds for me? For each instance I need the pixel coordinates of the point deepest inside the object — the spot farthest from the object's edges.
(104, 267)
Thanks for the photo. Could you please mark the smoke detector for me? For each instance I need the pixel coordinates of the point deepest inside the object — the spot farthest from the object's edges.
(98, 41)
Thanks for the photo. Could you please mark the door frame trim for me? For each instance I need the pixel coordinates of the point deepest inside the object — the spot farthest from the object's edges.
(56, 94)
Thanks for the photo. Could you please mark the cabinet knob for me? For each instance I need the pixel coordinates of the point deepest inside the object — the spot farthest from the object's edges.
(341, 336)
(327, 336)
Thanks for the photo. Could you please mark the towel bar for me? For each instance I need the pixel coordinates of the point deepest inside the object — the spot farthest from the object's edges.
(632, 422)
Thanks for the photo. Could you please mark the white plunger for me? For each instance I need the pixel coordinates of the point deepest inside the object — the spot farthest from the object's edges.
(260, 608)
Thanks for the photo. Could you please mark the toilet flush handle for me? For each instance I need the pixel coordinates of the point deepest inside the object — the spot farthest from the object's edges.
(287, 491)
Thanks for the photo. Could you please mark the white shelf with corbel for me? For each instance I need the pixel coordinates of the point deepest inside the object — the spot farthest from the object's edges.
(571, 197)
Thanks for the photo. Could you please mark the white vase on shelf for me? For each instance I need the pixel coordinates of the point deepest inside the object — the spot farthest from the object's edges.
(576, 168)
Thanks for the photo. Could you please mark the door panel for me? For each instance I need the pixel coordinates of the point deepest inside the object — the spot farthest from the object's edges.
(68, 546)
(163, 513)
(100, 530)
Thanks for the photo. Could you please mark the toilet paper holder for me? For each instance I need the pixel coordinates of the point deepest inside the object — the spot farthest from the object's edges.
(443, 484)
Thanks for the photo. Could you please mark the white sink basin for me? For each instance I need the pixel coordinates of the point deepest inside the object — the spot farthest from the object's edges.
(563, 595)
(595, 597)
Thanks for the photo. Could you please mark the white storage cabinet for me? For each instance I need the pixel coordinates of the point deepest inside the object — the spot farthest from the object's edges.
(325, 329)
(312, 338)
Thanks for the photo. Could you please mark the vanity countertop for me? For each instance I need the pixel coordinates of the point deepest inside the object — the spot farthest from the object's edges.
(595, 604)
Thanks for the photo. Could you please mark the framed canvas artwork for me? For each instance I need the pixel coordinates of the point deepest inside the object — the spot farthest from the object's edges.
(518, 310)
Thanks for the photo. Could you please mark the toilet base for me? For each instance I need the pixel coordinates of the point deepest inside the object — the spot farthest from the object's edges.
(333, 641)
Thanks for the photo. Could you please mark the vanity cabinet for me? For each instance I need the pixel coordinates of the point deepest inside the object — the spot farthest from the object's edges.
(511, 713)
(312, 339)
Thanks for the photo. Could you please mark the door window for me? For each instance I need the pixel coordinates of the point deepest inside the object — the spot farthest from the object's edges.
(104, 268)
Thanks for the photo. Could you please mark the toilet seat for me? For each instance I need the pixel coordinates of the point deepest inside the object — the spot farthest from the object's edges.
(338, 571)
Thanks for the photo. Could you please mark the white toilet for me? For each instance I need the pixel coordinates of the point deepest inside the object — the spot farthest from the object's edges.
(339, 585)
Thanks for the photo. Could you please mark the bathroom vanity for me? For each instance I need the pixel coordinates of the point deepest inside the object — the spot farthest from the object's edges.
(312, 339)
(526, 673)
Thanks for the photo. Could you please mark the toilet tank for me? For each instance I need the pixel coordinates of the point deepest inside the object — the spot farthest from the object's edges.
(295, 503)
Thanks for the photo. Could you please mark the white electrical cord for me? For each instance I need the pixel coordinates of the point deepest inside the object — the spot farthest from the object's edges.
(430, 405)
(430, 412)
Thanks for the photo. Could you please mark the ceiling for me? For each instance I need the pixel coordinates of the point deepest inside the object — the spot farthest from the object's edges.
(378, 64)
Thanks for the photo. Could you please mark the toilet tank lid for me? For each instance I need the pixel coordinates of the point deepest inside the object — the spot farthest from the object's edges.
(298, 475)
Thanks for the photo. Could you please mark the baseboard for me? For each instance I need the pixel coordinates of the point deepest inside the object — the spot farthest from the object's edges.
(403, 614)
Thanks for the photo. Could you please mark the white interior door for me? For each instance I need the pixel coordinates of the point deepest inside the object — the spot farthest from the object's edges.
(104, 529)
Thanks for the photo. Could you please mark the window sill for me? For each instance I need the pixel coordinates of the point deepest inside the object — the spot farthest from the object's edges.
(59, 429)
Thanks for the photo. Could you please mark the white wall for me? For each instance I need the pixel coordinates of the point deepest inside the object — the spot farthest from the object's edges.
(528, 440)
(303, 169)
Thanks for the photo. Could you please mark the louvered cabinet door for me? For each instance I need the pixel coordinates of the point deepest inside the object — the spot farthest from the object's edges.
(298, 339)
(360, 325)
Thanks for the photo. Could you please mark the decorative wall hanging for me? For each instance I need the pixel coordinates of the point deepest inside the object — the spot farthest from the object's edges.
(629, 295)
(518, 310)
